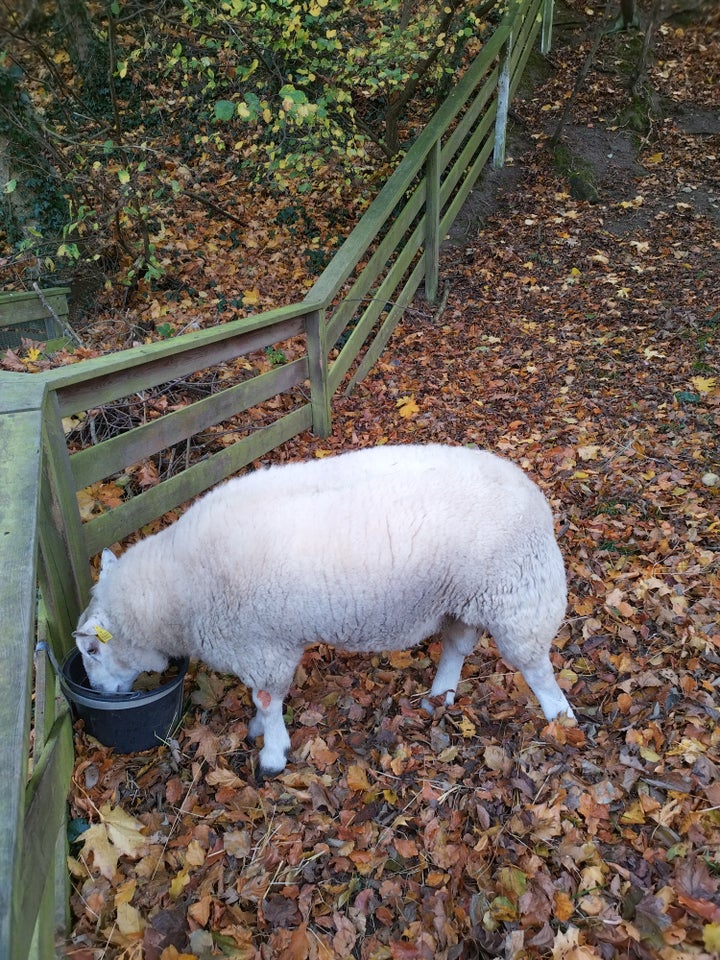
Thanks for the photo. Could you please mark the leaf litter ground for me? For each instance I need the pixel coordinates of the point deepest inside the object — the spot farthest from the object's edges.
(580, 340)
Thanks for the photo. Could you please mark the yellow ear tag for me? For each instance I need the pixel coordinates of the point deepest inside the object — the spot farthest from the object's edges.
(102, 634)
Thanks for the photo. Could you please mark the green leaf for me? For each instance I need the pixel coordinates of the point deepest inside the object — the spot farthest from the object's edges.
(10, 186)
(224, 110)
(123, 176)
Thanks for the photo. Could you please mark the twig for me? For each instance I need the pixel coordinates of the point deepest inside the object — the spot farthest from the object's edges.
(64, 324)
(214, 206)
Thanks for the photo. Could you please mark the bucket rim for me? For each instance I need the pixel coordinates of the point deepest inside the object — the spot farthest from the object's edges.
(87, 697)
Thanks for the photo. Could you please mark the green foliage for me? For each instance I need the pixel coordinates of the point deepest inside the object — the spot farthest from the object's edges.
(276, 357)
(308, 83)
(296, 96)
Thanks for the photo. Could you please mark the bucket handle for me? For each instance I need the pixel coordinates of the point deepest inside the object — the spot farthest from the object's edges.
(42, 646)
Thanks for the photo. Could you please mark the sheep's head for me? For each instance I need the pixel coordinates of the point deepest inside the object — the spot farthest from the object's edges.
(111, 664)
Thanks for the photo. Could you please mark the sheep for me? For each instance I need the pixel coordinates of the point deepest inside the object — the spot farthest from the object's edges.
(372, 550)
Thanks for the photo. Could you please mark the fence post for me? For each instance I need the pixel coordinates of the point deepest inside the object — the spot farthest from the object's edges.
(503, 102)
(64, 570)
(432, 221)
(547, 25)
(318, 368)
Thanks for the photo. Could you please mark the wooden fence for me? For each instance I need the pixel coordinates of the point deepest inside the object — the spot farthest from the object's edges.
(348, 316)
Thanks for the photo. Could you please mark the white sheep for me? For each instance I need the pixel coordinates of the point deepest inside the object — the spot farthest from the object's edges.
(373, 550)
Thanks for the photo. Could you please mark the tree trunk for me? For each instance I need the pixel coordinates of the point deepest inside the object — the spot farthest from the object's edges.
(87, 52)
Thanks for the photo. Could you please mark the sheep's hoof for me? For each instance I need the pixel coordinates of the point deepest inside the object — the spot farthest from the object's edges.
(268, 773)
(430, 704)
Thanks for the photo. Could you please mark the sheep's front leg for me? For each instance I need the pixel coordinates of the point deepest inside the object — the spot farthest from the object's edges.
(269, 722)
(458, 641)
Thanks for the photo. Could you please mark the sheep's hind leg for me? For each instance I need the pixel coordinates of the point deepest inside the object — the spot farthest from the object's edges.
(256, 727)
(530, 654)
(540, 677)
(458, 641)
(269, 722)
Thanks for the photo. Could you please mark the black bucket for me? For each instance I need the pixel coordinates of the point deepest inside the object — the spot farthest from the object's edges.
(129, 722)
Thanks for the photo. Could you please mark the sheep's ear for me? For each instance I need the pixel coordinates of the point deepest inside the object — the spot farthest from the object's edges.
(87, 643)
(107, 560)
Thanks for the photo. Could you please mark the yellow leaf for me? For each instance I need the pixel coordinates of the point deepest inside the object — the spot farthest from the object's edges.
(126, 892)
(400, 659)
(129, 921)
(512, 880)
(123, 831)
(633, 814)
(467, 728)
(105, 855)
(195, 855)
(637, 202)
(357, 778)
(251, 297)
(701, 384)
(711, 937)
(654, 158)
(179, 882)
(71, 422)
(407, 407)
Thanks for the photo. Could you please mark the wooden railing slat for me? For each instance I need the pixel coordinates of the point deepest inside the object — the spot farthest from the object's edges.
(131, 516)
(110, 457)
(19, 482)
(44, 818)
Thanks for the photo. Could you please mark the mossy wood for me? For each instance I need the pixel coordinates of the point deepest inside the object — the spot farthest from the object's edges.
(345, 322)
(25, 314)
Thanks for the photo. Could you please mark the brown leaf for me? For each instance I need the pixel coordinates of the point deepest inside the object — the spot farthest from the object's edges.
(298, 947)
(280, 911)
(651, 919)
